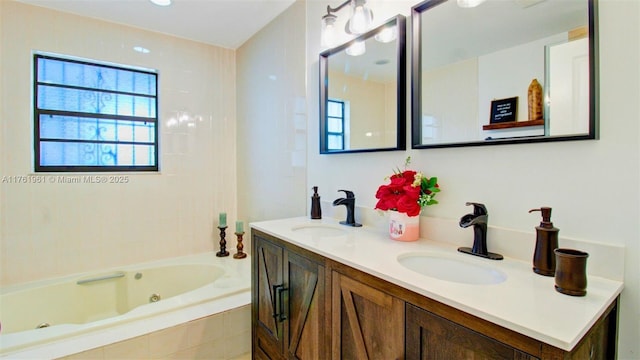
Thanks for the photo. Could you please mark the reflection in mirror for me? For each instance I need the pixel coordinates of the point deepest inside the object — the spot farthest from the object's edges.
(363, 92)
(505, 71)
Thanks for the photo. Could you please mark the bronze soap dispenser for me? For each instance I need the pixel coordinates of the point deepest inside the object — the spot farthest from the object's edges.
(544, 259)
(316, 210)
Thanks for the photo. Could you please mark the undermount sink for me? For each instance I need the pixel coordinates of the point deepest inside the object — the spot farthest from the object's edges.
(320, 230)
(450, 269)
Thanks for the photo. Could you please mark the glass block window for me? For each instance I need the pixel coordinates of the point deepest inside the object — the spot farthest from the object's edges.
(94, 117)
(335, 125)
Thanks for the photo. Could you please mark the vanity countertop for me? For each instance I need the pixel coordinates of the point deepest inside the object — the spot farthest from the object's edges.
(526, 302)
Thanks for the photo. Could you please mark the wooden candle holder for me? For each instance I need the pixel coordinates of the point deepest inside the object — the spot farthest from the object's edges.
(223, 242)
(239, 247)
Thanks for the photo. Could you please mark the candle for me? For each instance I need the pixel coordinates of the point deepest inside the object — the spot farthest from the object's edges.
(222, 222)
(239, 227)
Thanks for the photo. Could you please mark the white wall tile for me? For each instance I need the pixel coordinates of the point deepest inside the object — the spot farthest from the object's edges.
(271, 93)
(132, 349)
(169, 341)
(206, 330)
(154, 215)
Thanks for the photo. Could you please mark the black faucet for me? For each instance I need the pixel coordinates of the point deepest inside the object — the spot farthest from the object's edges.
(350, 203)
(479, 220)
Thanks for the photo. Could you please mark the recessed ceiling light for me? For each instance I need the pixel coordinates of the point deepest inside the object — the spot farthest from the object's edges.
(141, 49)
(161, 2)
(466, 3)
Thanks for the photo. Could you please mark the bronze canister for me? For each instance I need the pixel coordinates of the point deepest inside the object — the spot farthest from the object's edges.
(571, 272)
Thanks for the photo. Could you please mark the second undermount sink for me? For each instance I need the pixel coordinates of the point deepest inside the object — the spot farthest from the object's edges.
(451, 269)
(320, 230)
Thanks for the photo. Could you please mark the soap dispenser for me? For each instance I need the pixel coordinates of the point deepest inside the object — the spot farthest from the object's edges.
(316, 211)
(544, 259)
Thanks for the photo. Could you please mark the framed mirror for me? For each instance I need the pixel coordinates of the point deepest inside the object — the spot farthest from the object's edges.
(363, 92)
(473, 72)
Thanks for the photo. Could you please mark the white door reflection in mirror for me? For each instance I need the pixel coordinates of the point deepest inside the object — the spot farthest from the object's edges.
(568, 79)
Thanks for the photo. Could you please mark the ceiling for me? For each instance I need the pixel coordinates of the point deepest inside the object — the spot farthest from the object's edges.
(224, 23)
(454, 34)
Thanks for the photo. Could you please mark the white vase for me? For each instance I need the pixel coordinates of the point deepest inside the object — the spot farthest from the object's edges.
(403, 227)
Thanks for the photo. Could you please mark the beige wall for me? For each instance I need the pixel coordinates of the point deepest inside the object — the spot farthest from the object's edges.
(272, 120)
(52, 229)
(368, 103)
(593, 186)
(450, 96)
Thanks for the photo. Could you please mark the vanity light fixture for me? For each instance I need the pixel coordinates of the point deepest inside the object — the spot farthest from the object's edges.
(469, 3)
(358, 23)
(161, 2)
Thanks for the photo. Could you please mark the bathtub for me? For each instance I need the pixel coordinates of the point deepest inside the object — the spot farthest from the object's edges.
(59, 317)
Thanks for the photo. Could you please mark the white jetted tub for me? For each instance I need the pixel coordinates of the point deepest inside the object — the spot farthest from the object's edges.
(58, 317)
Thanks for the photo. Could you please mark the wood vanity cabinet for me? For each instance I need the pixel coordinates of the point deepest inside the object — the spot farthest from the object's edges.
(367, 323)
(288, 300)
(430, 336)
(306, 306)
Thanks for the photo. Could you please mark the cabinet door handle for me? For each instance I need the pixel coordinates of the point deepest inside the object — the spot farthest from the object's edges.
(278, 303)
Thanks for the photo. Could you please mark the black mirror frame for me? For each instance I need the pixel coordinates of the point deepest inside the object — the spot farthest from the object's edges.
(401, 92)
(416, 86)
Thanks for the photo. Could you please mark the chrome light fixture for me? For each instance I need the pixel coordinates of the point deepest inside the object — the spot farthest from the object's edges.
(358, 23)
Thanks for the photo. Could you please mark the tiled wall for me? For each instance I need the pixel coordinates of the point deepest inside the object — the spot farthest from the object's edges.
(272, 120)
(216, 337)
(52, 229)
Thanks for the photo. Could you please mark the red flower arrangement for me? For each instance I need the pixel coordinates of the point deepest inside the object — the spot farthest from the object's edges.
(408, 192)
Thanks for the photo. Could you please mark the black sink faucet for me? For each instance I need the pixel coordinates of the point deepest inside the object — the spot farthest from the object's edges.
(350, 202)
(479, 220)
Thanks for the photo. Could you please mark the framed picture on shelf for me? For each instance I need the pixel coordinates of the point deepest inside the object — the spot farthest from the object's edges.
(504, 110)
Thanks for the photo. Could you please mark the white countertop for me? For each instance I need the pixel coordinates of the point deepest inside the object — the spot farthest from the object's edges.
(526, 302)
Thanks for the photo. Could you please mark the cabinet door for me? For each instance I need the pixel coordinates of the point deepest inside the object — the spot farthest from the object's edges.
(267, 282)
(305, 332)
(600, 341)
(366, 323)
(432, 337)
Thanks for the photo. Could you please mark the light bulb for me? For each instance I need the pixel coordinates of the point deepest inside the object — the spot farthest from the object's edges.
(328, 34)
(358, 48)
(388, 34)
(360, 19)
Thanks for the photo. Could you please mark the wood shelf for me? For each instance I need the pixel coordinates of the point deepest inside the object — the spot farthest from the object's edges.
(513, 124)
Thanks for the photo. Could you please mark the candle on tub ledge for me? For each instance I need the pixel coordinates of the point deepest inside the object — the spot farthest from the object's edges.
(222, 221)
(239, 227)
